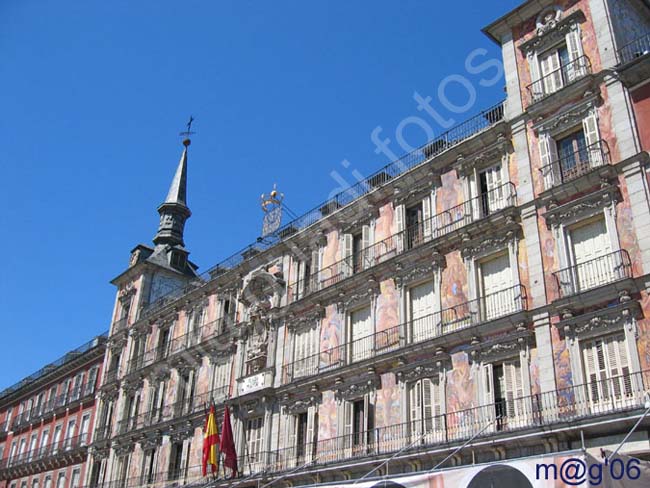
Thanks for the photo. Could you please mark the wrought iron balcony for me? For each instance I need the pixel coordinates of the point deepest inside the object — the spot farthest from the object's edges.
(468, 314)
(576, 164)
(453, 137)
(201, 335)
(615, 395)
(554, 81)
(198, 404)
(603, 270)
(64, 447)
(414, 236)
(119, 325)
(635, 49)
(64, 400)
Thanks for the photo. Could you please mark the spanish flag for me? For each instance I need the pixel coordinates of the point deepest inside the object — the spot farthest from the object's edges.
(210, 442)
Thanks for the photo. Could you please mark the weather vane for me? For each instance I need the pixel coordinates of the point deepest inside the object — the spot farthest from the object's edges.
(186, 134)
(272, 207)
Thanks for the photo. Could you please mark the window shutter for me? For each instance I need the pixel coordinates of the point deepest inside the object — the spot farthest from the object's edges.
(314, 280)
(399, 223)
(537, 86)
(293, 433)
(426, 217)
(366, 256)
(590, 371)
(347, 423)
(590, 127)
(574, 46)
(312, 416)
(549, 160)
(488, 382)
(415, 408)
(347, 255)
(428, 388)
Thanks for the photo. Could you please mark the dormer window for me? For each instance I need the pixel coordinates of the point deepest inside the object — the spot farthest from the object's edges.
(177, 260)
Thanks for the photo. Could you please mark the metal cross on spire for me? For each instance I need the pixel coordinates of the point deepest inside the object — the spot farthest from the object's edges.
(186, 134)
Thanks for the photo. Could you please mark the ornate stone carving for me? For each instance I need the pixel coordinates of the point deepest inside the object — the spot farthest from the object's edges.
(132, 385)
(180, 432)
(503, 347)
(548, 20)
(551, 29)
(476, 248)
(352, 391)
(151, 440)
(404, 274)
(584, 206)
(491, 154)
(600, 321)
(567, 119)
(123, 447)
(128, 291)
(346, 301)
(308, 320)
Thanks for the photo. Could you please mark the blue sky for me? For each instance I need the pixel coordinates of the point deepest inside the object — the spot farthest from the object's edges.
(95, 94)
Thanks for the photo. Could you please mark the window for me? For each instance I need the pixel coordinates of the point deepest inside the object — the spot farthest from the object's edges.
(76, 478)
(51, 399)
(35, 483)
(65, 391)
(45, 439)
(23, 484)
(559, 66)
(157, 396)
(361, 338)
(137, 354)
(504, 389)
(125, 308)
(495, 284)
(254, 441)
(186, 392)
(70, 434)
(122, 469)
(492, 191)
(91, 381)
(40, 403)
(305, 353)
(8, 419)
(220, 380)
(176, 461)
(48, 482)
(22, 448)
(32, 446)
(149, 465)
(57, 438)
(300, 273)
(425, 411)
(359, 424)
(302, 435)
(420, 310)
(607, 370)
(164, 336)
(85, 426)
(591, 258)
(194, 324)
(60, 480)
(76, 387)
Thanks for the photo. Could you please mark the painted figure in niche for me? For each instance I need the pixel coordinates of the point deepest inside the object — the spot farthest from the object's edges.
(460, 386)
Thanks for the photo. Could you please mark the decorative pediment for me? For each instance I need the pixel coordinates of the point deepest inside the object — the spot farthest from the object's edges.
(131, 385)
(353, 391)
(99, 452)
(294, 405)
(308, 320)
(160, 373)
(568, 118)
(127, 291)
(182, 431)
(503, 347)
(600, 321)
(551, 29)
(487, 156)
(123, 447)
(472, 248)
(347, 301)
(150, 440)
(140, 329)
(431, 368)
(407, 274)
(116, 342)
(582, 207)
(415, 189)
(223, 353)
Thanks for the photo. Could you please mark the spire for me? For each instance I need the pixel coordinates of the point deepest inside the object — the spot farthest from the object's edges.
(174, 211)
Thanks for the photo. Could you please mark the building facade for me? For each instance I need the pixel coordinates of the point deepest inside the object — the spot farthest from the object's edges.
(46, 421)
(491, 286)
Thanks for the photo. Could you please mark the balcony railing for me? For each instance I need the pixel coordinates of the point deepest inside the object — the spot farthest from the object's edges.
(576, 164)
(38, 412)
(453, 137)
(119, 325)
(468, 314)
(590, 400)
(182, 408)
(556, 80)
(594, 273)
(60, 448)
(635, 49)
(412, 237)
(182, 343)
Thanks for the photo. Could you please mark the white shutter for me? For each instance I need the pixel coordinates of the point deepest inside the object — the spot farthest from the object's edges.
(366, 252)
(293, 434)
(400, 217)
(591, 373)
(577, 66)
(348, 418)
(311, 429)
(348, 259)
(421, 305)
(549, 160)
(494, 183)
(551, 73)
(415, 409)
(361, 325)
(538, 87)
(590, 127)
(314, 281)
(428, 388)
(488, 385)
(426, 218)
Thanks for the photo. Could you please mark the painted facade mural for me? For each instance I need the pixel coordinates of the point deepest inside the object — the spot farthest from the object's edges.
(462, 392)
(327, 428)
(331, 333)
(454, 289)
(387, 306)
(387, 403)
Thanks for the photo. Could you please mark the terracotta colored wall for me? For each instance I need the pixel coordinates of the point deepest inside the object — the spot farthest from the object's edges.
(387, 404)
(454, 281)
(641, 104)
(462, 389)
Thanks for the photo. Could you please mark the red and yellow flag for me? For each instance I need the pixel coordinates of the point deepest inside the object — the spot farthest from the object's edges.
(210, 442)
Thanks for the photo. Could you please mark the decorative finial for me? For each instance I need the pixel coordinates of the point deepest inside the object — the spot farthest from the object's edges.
(272, 207)
(188, 132)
